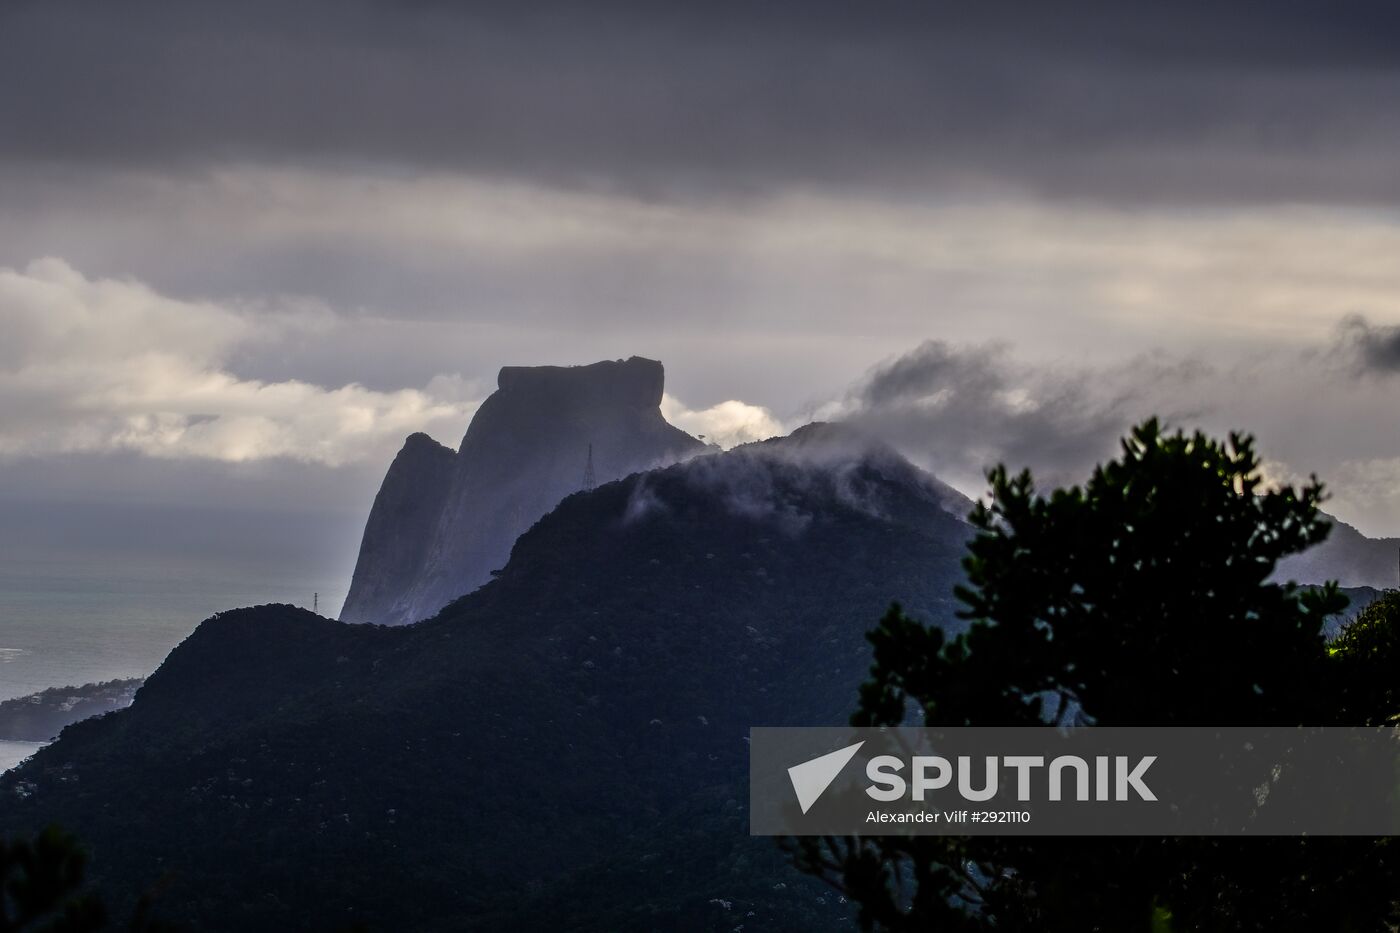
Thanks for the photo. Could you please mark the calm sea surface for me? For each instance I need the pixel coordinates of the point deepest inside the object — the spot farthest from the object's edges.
(12, 753)
(65, 623)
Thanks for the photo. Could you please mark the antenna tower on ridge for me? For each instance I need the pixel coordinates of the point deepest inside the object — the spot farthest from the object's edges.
(589, 479)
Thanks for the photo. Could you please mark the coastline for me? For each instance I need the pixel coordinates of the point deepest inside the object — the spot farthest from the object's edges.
(12, 753)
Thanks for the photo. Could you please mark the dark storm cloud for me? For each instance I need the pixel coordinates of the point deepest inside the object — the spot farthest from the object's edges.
(1090, 97)
(1371, 349)
(960, 410)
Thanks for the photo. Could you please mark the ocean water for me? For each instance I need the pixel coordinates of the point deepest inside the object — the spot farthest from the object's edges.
(69, 622)
(12, 753)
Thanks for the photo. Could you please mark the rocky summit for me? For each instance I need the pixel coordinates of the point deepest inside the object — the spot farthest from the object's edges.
(444, 520)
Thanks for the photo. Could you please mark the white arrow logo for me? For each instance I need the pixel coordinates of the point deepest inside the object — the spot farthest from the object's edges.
(811, 778)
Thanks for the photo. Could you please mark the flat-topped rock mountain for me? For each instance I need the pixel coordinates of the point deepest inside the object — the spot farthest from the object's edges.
(444, 520)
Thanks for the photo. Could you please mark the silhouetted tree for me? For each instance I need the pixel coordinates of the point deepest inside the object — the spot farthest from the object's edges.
(43, 886)
(1367, 655)
(1142, 598)
(42, 890)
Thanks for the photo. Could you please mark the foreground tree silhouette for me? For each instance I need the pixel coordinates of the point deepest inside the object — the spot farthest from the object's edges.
(1367, 654)
(42, 890)
(1140, 599)
(42, 886)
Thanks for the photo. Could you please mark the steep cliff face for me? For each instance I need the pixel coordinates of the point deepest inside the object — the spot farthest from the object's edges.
(525, 450)
(401, 526)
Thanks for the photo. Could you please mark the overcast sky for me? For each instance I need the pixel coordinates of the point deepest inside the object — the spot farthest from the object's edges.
(246, 247)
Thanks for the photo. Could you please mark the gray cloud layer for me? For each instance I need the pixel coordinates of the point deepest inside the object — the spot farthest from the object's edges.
(959, 410)
(1128, 101)
(1372, 349)
(766, 196)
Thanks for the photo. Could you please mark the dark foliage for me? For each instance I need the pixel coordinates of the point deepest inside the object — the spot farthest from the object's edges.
(43, 890)
(563, 749)
(1141, 598)
(1367, 657)
(41, 886)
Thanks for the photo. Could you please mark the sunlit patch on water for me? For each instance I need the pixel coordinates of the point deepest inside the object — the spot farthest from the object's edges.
(12, 654)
